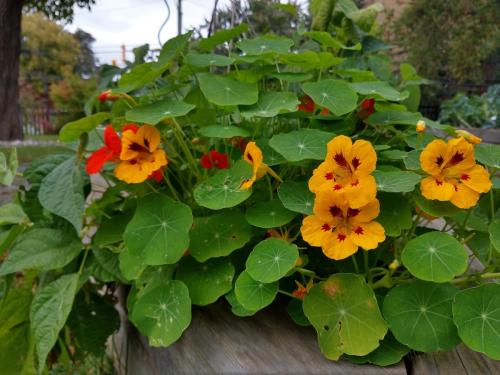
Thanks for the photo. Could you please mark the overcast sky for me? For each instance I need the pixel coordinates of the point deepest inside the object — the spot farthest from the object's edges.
(136, 22)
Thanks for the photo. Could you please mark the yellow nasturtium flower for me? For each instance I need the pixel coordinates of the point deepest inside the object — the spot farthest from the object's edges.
(347, 169)
(140, 155)
(253, 156)
(339, 229)
(454, 174)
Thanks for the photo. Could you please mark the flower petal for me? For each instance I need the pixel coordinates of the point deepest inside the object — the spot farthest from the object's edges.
(436, 187)
(477, 178)
(368, 235)
(112, 141)
(338, 245)
(433, 157)
(464, 196)
(338, 153)
(330, 207)
(149, 137)
(363, 158)
(96, 161)
(314, 230)
(461, 157)
(131, 172)
(366, 213)
(323, 177)
(360, 191)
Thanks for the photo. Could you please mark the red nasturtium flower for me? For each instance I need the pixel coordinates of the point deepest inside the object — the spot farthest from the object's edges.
(214, 159)
(306, 104)
(366, 108)
(109, 152)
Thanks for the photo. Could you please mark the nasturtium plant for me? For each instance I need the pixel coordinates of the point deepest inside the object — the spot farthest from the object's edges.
(256, 170)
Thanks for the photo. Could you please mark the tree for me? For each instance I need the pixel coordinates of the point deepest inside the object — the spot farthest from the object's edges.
(10, 49)
(262, 16)
(86, 65)
(449, 39)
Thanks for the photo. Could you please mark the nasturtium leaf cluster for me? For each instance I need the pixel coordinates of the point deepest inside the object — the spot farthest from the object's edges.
(253, 153)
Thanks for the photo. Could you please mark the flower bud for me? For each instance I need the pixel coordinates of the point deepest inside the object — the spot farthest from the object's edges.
(394, 265)
(420, 128)
(108, 95)
(469, 137)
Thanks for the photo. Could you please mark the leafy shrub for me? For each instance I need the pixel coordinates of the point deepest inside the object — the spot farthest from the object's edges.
(473, 111)
(285, 167)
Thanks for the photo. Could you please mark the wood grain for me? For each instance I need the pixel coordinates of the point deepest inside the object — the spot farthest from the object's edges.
(217, 342)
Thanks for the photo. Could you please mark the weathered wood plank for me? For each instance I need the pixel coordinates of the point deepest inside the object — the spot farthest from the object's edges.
(217, 342)
(459, 361)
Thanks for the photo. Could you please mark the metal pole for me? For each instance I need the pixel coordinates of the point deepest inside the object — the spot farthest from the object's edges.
(179, 17)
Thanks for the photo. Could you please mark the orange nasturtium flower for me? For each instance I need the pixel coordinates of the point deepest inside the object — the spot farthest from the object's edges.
(253, 156)
(347, 169)
(454, 174)
(140, 155)
(339, 229)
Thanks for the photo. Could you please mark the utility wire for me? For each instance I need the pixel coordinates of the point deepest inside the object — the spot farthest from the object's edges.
(164, 22)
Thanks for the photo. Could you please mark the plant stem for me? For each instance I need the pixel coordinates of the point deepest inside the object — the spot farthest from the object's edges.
(355, 263)
(367, 267)
(288, 294)
(484, 276)
(80, 270)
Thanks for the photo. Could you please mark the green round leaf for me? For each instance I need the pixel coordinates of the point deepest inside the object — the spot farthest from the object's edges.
(43, 249)
(390, 352)
(476, 313)
(345, 314)
(419, 315)
(271, 104)
(379, 88)
(292, 77)
(218, 235)
(131, 264)
(222, 36)
(494, 230)
(163, 313)
(393, 117)
(223, 189)
(488, 154)
(208, 59)
(236, 307)
(296, 197)
(395, 214)
(72, 130)
(223, 131)
(396, 181)
(296, 312)
(271, 259)
(264, 45)
(269, 214)
(412, 160)
(158, 232)
(301, 144)
(337, 96)
(206, 281)
(435, 256)
(254, 295)
(225, 91)
(271, 157)
(156, 112)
